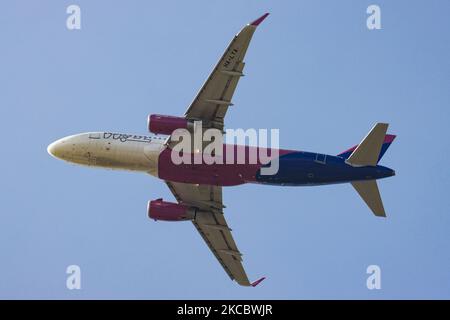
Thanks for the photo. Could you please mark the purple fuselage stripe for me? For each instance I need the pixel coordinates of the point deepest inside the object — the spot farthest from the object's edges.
(222, 174)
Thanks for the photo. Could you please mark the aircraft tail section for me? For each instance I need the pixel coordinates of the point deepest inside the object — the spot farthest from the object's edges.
(371, 149)
(368, 190)
(368, 153)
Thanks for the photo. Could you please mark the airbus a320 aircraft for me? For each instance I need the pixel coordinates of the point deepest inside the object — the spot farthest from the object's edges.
(198, 187)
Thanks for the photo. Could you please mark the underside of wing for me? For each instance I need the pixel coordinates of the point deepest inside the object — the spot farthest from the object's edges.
(212, 101)
(212, 226)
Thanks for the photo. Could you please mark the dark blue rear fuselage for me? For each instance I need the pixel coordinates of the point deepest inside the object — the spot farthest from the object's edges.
(307, 168)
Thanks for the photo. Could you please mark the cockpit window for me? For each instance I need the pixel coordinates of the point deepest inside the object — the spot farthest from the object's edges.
(95, 135)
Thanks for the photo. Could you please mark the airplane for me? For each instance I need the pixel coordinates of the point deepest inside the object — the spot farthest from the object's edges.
(197, 188)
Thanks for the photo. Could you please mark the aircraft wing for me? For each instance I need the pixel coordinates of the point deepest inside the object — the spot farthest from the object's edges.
(212, 226)
(212, 101)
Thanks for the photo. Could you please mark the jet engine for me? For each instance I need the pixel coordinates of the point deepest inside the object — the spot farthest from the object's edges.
(169, 211)
(158, 123)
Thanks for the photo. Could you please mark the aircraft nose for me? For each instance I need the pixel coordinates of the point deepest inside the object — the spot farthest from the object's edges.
(57, 149)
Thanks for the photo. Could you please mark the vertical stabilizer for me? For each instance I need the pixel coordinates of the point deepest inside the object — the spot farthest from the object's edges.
(388, 139)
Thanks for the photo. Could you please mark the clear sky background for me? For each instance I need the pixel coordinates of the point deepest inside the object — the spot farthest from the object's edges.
(313, 70)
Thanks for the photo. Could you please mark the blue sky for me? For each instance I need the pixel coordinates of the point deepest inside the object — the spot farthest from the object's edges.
(313, 70)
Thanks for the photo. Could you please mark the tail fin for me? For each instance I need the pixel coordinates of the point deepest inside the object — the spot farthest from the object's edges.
(368, 190)
(388, 139)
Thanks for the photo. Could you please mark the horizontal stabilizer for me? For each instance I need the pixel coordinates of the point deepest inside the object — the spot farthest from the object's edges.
(368, 151)
(368, 190)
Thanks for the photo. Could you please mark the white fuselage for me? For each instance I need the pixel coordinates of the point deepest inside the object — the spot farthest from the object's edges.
(110, 150)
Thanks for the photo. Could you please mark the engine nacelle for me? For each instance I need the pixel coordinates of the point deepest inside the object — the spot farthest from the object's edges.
(169, 211)
(158, 123)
